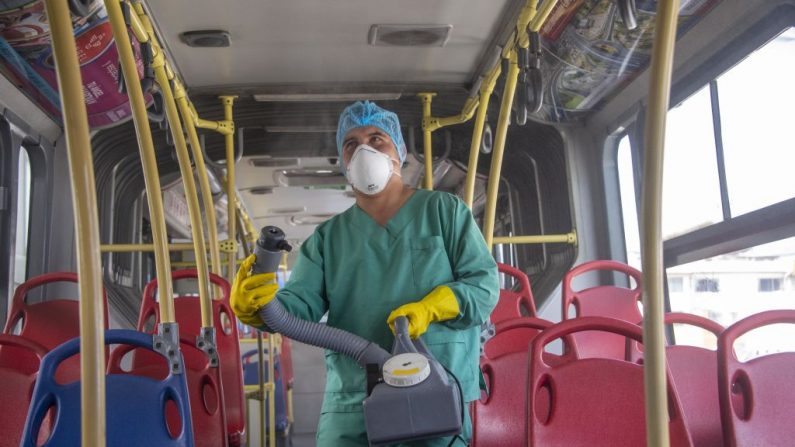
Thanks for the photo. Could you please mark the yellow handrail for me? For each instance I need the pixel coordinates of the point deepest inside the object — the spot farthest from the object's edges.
(654, 378)
(204, 182)
(194, 213)
(231, 192)
(271, 395)
(433, 124)
(146, 148)
(499, 147)
(84, 197)
(541, 17)
(568, 238)
(486, 89)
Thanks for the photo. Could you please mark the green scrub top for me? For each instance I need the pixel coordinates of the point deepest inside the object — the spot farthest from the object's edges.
(359, 271)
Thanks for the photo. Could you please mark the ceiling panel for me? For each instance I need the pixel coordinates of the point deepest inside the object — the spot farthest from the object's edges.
(325, 42)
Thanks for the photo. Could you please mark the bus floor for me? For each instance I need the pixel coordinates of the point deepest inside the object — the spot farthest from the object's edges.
(309, 370)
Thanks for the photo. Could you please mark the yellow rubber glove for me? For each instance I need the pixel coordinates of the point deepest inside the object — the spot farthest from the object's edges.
(251, 292)
(439, 305)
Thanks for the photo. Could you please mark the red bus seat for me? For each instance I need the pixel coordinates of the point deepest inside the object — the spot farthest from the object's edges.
(499, 418)
(511, 302)
(287, 362)
(757, 399)
(17, 375)
(513, 336)
(188, 314)
(602, 301)
(592, 401)
(52, 322)
(695, 374)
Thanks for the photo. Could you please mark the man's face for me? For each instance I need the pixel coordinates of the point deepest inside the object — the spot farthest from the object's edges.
(371, 136)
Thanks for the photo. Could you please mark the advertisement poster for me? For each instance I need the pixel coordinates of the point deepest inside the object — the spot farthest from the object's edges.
(589, 54)
(26, 59)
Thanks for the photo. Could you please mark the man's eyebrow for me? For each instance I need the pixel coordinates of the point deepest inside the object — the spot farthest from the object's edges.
(377, 132)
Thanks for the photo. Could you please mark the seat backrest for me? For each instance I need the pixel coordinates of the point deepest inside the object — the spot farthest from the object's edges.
(135, 409)
(188, 314)
(287, 362)
(499, 418)
(52, 322)
(205, 398)
(251, 366)
(757, 398)
(17, 375)
(513, 336)
(592, 401)
(602, 301)
(511, 302)
(694, 371)
(250, 362)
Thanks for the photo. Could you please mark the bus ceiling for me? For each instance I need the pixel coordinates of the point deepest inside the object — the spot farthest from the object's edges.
(305, 51)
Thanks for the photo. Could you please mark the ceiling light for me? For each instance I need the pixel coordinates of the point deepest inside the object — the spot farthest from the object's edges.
(291, 210)
(324, 97)
(315, 219)
(300, 129)
(206, 38)
(409, 35)
(263, 162)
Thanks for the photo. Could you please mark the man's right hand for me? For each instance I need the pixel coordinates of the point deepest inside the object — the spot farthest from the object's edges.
(251, 292)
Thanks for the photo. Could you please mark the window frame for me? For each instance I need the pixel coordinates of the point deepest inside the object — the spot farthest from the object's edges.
(769, 224)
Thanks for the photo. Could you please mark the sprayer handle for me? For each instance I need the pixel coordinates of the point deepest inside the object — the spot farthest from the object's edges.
(401, 326)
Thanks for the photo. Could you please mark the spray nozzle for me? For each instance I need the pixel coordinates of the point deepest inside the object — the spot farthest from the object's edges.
(269, 248)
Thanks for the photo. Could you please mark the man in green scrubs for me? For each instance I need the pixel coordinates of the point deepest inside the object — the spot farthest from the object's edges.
(397, 251)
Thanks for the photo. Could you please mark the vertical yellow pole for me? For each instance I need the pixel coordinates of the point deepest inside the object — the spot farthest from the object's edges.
(651, 205)
(190, 188)
(84, 196)
(499, 147)
(426, 99)
(231, 194)
(261, 374)
(146, 148)
(204, 183)
(271, 394)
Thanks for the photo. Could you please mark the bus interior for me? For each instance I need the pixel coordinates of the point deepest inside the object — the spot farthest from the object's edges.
(535, 112)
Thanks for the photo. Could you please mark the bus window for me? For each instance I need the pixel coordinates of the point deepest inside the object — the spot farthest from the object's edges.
(628, 207)
(691, 190)
(733, 286)
(23, 218)
(756, 109)
(752, 103)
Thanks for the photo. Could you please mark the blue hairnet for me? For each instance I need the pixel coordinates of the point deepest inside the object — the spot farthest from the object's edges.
(363, 114)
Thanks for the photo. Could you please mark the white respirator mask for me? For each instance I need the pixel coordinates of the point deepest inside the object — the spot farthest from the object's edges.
(369, 170)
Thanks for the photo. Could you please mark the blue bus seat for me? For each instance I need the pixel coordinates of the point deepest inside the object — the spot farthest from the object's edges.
(250, 377)
(135, 410)
(205, 392)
